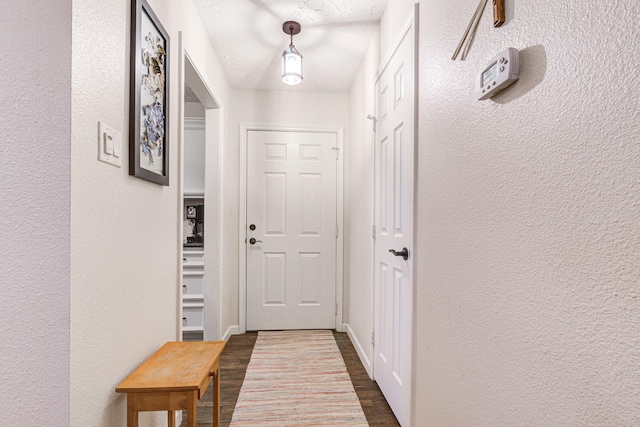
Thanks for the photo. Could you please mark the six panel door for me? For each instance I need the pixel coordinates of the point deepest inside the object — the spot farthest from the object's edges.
(292, 217)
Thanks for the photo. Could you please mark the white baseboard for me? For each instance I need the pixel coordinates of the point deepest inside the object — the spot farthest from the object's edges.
(233, 330)
(362, 354)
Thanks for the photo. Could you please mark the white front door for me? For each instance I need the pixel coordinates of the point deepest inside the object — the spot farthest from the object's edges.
(291, 230)
(393, 281)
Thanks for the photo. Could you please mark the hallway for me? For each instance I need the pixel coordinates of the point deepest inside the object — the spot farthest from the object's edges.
(526, 304)
(233, 365)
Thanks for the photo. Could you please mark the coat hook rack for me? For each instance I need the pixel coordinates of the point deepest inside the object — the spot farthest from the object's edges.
(470, 32)
(498, 13)
(472, 28)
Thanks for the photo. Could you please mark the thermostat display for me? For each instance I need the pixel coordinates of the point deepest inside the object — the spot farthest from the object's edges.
(490, 74)
(501, 72)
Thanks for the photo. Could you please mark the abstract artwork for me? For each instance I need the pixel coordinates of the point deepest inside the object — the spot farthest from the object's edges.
(149, 106)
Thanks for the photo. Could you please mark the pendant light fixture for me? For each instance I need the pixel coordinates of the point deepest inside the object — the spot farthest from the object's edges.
(291, 58)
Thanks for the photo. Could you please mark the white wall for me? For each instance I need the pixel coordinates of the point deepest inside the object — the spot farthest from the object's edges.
(124, 241)
(194, 109)
(302, 109)
(124, 231)
(289, 108)
(359, 194)
(529, 232)
(359, 208)
(194, 155)
(35, 118)
(395, 17)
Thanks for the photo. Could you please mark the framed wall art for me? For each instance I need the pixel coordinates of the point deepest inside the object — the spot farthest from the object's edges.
(149, 103)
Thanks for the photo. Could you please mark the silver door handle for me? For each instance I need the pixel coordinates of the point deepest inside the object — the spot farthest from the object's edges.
(404, 253)
(254, 241)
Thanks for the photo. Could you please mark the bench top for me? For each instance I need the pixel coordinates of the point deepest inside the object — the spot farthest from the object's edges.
(176, 366)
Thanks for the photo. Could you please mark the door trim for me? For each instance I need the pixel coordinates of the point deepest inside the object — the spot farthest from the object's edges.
(242, 252)
(214, 110)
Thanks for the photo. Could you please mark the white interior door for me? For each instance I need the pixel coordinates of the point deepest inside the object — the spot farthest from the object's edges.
(393, 281)
(292, 215)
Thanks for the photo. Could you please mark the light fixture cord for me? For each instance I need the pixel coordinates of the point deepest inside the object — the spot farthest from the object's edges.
(291, 40)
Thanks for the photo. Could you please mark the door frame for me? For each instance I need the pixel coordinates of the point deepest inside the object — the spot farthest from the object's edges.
(214, 133)
(245, 128)
(412, 22)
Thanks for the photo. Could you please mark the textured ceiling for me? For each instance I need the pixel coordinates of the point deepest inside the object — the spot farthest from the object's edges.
(248, 38)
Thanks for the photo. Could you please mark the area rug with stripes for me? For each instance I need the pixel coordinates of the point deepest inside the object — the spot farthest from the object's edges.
(297, 378)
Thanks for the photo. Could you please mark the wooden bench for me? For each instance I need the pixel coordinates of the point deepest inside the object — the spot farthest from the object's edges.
(174, 378)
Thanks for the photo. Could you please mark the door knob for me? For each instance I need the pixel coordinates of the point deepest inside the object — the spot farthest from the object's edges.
(254, 241)
(404, 253)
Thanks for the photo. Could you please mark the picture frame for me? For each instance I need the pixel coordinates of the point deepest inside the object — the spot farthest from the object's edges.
(149, 96)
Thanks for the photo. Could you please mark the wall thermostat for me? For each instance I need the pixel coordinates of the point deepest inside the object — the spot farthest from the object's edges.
(501, 72)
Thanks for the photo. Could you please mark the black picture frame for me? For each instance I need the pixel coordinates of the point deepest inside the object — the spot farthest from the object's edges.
(149, 96)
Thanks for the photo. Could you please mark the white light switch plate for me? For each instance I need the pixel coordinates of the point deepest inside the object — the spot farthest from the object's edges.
(109, 145)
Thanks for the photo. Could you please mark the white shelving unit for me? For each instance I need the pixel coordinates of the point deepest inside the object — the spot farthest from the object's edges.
(194, 280)
(193, 285)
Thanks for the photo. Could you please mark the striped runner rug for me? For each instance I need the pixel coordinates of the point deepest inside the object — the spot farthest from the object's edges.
(297, 378)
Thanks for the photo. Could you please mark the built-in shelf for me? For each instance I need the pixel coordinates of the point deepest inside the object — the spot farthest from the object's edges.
(193, 276)
(193, 297)
(193, 273)
(193, 305)
(192, 292)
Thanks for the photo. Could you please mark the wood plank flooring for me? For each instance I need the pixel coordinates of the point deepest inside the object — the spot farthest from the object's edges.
(233, 366)
(374, 405)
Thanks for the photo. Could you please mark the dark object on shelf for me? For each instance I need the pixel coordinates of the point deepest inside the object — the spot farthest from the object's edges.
(195, 215)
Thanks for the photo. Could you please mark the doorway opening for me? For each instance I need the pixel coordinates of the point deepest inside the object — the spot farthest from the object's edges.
(199, 204)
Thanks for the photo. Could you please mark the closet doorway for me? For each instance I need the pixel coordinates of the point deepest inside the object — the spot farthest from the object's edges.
(199, 224)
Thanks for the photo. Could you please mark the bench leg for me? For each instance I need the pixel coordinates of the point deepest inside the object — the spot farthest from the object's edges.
(216, 398)
(171, 420)
(132, 415)
(192, 401)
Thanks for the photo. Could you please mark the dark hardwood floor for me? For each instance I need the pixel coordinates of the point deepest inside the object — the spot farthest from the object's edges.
(233, 366)
(374, 405)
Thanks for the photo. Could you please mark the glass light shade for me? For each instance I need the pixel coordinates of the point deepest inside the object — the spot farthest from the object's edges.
(291, 66)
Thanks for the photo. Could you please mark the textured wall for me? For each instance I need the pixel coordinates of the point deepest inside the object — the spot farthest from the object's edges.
(124, 231)
(35, 118)
(529, 232)
(125, 265)
(359, 208)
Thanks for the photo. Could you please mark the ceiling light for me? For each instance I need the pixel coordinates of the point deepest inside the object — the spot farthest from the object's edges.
(291, 58)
